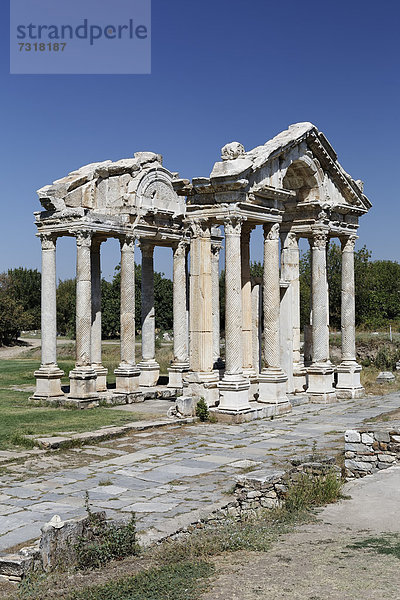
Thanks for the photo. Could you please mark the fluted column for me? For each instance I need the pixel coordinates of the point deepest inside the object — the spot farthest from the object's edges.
(127, 373)
(348, 385)
(48, 376)
(101, 372)
(181, 358)
(83, 376)
(202, 379)
(215, 250)
(290, 308)
(149, 368)
(234, 388)
(272, 380)
(320, 373)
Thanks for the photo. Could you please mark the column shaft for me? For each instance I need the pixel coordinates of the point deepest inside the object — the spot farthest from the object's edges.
(320, 373)
(320, 304)
(348, 372)
(83, 376)
(149, 368)
(127, 374)
(49, 305)
(272, 380)
(48, 376)
(234, 388)
(101, 381)
(247, 334)
(83, 299)
(348, 301)
(233, 301)
(215, 248)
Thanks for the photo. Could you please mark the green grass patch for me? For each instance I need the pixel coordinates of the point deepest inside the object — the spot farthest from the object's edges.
(308, 492)
(19, 418)
(388, 544)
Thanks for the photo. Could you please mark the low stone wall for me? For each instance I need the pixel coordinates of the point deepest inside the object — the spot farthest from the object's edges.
(368, 451)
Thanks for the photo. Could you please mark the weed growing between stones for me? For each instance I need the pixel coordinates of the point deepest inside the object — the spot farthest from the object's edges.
(202, 410)
(311, 491)
(105, 542)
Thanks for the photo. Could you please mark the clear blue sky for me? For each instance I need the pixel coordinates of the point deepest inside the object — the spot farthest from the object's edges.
(222, 70)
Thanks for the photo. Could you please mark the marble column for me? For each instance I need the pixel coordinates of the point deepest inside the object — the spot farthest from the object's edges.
(127, 373)
(180, 363)
(290, 260)
(149, 368)
(215, 250)
(256, 309)
(83, 376)
(48, 376)
(247, 321)
(101, 371)
(320, 373)
(348, 384)
(234, 387)
(272, 379)
(202, 379)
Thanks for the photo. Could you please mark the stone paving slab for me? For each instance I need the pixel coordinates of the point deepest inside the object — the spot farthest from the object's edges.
(168, 476)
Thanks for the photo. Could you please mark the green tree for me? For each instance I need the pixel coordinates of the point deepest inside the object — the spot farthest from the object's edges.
(66, 302)
(24, 285)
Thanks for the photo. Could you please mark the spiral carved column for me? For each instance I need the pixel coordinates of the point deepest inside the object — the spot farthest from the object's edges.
(348, 385)
(83, 376)
(234, 388)
(181, 358)
(272, 380)
(101, 371)
(320, 373)
(149, 368)
(127, 373)
(48, 376)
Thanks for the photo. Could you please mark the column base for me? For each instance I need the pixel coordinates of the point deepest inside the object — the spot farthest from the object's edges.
(272, 387)
(348, 384)
(320, 383)
(101, 381)
(176, 372)
(82, 383)
(126, 379)
(202, 384)
(149, 373)
(233, 394)
(251, 375)
(48, 382)
(299, 378)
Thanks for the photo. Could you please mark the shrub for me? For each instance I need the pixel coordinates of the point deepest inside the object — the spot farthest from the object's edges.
(310, 490)
(386, 358)
(202, 410)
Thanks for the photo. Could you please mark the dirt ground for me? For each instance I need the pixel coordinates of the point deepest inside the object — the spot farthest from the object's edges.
(312, 563)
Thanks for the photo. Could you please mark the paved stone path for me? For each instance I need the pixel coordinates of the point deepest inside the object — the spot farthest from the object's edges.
(167, 476)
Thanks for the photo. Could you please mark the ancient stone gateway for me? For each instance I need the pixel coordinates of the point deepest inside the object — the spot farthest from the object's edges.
(295, 188)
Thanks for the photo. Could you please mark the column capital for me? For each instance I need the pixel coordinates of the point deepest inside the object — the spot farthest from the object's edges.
(201, 227)
(348, 242)
(233, 225)
(271, 231)
(127, 243)
(319, 239)
(84, 238)
(147, 248)
(180, 248)
(48, 241)
(289, 240)
(215, 250)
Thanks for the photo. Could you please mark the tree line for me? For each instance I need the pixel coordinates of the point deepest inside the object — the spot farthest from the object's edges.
(377, 296)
